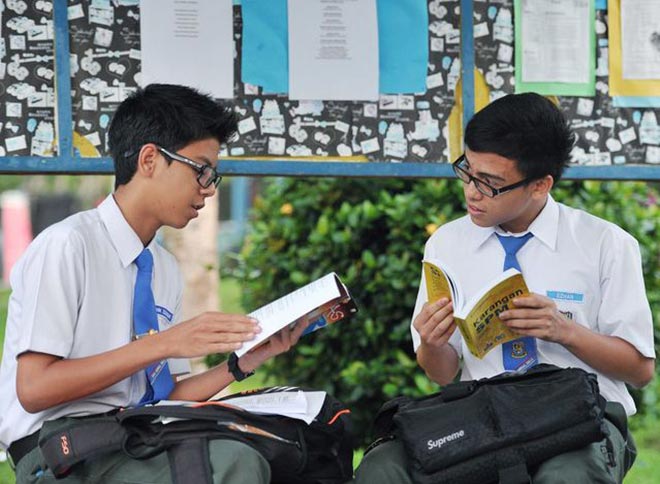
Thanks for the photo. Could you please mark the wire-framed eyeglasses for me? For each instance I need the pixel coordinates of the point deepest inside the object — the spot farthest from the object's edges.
(483, 187)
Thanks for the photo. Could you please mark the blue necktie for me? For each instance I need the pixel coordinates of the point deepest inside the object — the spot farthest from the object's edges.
(519, 354)
(145, 321)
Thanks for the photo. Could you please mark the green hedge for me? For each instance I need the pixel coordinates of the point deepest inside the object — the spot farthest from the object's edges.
(372, 232)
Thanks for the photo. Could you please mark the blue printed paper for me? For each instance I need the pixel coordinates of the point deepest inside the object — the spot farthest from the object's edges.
(265, 59)
(636, 102)
(403, 45)
(576, 297)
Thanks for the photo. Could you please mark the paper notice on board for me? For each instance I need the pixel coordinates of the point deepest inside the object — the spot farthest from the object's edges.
(333, 50)
(640, 39)
(555, 41)
(188, 42)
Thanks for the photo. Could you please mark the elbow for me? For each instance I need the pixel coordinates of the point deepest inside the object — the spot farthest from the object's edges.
(35, 388)
(644, 374)
(29, 401)
(31, 395)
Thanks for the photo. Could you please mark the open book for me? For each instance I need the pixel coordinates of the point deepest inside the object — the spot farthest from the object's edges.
(321, 302)
(478, 318)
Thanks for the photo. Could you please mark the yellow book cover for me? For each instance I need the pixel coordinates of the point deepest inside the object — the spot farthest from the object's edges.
(478, 318)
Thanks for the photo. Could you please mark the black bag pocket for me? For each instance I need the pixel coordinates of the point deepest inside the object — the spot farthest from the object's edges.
(436, 441)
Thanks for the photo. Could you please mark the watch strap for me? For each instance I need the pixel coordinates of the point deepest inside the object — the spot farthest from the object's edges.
(232, 364)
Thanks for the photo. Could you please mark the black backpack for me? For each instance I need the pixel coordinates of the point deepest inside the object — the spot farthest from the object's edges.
(298, 453)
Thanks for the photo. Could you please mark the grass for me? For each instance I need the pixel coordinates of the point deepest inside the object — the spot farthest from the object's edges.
(645, 471)
(6, 474)
(647, 466)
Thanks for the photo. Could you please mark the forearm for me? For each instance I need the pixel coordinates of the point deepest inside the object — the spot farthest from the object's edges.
(44, 381)
(611, 356)
(204, 385)
(440, 363)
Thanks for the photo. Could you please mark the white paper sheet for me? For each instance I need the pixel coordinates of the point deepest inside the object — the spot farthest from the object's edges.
(555, 41)
(640, 39)
(333, 50)
(188, 42)
(301, 405)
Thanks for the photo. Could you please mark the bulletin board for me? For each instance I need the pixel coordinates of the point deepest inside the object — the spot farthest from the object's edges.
(66, 65)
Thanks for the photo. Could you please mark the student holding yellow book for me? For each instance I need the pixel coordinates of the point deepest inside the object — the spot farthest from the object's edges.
(587, 306)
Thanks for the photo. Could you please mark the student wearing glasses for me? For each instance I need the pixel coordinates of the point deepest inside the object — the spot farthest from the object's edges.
(588, 306)
(94, 315)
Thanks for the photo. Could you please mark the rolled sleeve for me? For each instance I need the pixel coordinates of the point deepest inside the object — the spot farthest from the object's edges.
(51, 296)
(624, 310)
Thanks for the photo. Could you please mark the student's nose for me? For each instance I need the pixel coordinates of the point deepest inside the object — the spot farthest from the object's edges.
(471, 192)
(208, 191)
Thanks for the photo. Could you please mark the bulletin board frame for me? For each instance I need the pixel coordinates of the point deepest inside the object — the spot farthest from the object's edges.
(68, 162)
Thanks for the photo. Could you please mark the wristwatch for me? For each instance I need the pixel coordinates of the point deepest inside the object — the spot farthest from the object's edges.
(232, 364)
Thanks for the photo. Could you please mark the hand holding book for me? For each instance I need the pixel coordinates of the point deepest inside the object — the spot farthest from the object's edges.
(477, 318)
(319, 303)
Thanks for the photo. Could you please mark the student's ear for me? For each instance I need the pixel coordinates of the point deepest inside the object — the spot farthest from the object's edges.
(542, 186)
(147, 160)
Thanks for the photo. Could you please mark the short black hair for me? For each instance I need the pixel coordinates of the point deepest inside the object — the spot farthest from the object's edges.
(527, 128)
(168, 115)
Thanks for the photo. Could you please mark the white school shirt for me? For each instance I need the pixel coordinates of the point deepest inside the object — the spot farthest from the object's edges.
(591, 268)
(72, 296)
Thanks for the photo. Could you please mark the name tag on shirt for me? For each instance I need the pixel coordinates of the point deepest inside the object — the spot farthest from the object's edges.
(566, 302)
(573, 297)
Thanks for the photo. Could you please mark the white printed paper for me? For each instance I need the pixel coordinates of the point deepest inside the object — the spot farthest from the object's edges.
(301, 405)
(333, 50)
(555, 41)
(188, 42)
(640, 39)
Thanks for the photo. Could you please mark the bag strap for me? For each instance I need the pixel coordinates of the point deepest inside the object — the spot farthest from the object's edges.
(65, 447)
(189, 462)
(516, 474)
(462, 389)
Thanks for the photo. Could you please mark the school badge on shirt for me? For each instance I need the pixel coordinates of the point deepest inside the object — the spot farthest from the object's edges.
(517, 356)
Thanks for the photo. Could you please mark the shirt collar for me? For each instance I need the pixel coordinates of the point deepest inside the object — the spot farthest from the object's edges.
(126, 242)
(544, 227)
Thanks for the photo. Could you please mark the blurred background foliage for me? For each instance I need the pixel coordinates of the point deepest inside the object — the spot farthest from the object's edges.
(371, 233)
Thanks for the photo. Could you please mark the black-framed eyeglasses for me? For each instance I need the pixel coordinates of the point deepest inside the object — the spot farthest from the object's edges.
(206, 174)
(483, 187)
